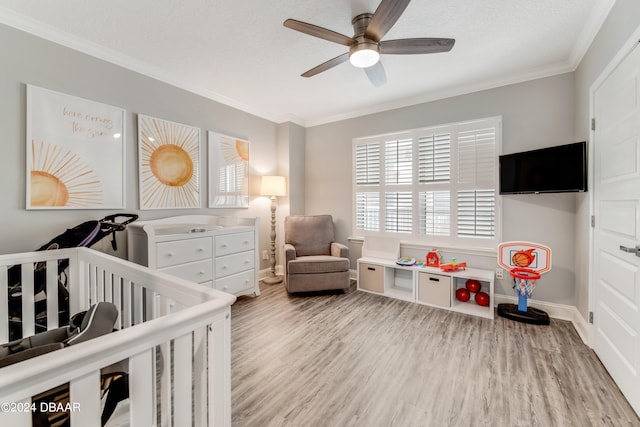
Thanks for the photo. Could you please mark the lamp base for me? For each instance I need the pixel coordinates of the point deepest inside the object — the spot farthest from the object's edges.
(272, 280)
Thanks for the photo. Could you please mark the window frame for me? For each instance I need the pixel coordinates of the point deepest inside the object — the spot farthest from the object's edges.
(482, 181)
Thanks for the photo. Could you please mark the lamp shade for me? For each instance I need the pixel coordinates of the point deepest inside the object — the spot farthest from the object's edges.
(273, 186)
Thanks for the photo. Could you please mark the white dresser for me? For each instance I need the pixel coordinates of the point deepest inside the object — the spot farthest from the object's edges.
(216, 251)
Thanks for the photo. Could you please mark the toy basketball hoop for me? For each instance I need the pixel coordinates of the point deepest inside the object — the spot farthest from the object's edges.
(525, 262)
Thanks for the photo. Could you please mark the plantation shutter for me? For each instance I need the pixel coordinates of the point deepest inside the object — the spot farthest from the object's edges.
(434, 158)
(367, 172)
(368, 164)
(476, 201)
(435, 214)
(398, 208)
(399, 162)
(435, 185)
(368, 211)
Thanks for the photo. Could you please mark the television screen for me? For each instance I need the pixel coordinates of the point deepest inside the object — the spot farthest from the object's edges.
(548, 170)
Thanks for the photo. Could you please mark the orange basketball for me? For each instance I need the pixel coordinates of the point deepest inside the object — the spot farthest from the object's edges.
(523, 258)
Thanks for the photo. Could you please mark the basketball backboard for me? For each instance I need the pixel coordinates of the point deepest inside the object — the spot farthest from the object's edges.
(524, 255)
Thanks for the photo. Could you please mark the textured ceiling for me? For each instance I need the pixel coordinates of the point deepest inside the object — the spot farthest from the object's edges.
(239, 53)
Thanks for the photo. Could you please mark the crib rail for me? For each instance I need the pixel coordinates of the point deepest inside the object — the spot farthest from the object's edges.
(184, 325)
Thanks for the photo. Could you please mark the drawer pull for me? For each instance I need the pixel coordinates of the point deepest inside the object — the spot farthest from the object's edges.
(224, 267)
(224, 245)
(169, 254)
(433, 279)
(200, 249)
(200, 273)
(197, 230)
(246, 242)
(371, 269)
(246, 261)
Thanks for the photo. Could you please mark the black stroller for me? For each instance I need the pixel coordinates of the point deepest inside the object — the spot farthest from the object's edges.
(86, 234)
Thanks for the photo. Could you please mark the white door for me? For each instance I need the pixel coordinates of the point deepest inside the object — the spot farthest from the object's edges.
(616, 281)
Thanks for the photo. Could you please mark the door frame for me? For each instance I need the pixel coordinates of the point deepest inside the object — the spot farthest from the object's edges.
(622, 53)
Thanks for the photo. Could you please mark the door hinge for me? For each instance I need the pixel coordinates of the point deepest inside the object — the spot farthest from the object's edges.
(591, 317)
(593, 124)
(593, 221)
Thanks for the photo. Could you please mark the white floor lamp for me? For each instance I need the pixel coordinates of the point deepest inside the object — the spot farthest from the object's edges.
(273, 186)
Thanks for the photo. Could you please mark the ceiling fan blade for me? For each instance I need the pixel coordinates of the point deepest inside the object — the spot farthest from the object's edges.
(376, 74)
(327, 65)
(314, 30)
(416, 46)
(384, 17)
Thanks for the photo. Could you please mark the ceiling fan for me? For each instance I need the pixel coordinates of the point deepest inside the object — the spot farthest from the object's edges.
(366, 45)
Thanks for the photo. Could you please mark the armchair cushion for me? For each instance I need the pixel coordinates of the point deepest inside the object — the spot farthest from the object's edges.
(313, 264)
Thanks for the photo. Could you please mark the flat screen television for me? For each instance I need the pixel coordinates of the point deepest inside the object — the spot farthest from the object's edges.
(557, 169)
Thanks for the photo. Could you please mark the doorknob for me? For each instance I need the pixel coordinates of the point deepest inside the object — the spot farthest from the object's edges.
(635, 250)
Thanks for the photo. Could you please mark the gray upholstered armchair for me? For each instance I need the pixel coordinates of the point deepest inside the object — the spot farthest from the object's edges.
(313, 261)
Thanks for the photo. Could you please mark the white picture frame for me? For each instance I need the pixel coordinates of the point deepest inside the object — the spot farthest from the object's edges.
(228, 171)
(75, 152)
(169, 164)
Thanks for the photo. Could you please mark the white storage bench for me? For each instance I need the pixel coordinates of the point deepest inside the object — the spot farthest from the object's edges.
(379, 273)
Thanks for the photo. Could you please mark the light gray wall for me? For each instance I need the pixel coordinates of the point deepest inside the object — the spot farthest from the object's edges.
(30, 60)
(622, 22)
(535, 114)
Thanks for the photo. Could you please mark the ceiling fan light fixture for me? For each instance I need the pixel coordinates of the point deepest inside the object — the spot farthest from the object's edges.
(364, 54)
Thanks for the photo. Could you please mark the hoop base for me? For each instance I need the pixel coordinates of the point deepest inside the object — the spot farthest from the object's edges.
(532, 316)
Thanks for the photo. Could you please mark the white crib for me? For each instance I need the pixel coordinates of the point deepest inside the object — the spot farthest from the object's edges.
(187, 324)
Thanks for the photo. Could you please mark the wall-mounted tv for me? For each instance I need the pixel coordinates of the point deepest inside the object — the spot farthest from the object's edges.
(557, 169)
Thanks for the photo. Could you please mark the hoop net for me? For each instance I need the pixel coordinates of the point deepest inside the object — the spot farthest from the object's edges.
(525, 280)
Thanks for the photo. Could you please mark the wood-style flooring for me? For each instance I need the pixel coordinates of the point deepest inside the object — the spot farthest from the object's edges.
(358, 359)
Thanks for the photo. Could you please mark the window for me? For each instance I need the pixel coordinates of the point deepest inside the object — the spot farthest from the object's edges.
(435, 185)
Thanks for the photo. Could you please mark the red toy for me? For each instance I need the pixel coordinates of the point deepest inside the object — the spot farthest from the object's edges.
(482, 298)
(433, 258)
(473, 285)
(463, 295)
(453, 267)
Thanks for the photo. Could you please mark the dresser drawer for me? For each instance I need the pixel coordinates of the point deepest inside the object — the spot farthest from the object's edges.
(181, 251)
(199, 271)
(235, 263)
(236, 283)
(226, 244)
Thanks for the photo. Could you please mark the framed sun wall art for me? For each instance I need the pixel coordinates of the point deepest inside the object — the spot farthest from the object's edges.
(75, 152)
(169, 157)
(228, 171)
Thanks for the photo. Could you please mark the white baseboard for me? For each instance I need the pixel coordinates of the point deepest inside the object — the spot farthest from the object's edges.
(556, 311)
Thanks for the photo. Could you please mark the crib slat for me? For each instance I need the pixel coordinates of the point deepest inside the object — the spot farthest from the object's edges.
(219, 362)
(165, 384)
(182, 380)
(84, 399)
(138, 304)
(200, 375)
(100, 285)
(93, 290)
(117, 299)
(4, 306)
(141, 389)
(108, 286)
(28, 300)
(126, 303)
(17, 418)
(52, 294)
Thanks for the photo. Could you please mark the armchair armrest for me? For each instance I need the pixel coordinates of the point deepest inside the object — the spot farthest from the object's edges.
(339, 250)
(289, 254)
